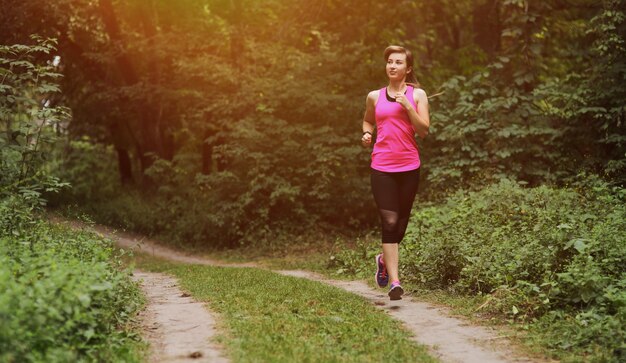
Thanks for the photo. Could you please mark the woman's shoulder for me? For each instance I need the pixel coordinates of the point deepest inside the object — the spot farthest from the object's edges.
(372, 96)
(419, 94)
(419, 91)
(373, 93)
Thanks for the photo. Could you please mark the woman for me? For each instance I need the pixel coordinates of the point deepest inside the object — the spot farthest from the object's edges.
(398, 111)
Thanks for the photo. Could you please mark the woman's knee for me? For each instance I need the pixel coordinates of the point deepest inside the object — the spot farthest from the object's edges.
(390, 223)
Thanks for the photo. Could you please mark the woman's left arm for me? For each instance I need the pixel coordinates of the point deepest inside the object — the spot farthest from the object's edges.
(420, 118)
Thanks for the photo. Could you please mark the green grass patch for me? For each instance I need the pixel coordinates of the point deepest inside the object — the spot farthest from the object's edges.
(302, 253)
(273, 318)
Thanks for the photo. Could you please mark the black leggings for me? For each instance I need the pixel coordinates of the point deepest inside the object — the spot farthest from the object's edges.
(394, 194)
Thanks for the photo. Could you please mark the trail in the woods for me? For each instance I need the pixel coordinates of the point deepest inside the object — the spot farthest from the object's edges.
(448, 338)
(178, 328)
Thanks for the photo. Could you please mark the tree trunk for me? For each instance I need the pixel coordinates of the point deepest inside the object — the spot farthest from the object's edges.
(488, 26)
(124, 166)
(207, 154)
(149, 143)
(152, 117)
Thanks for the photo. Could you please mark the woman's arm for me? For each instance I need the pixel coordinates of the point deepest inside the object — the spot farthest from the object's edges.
(369, 120)
(420, 118)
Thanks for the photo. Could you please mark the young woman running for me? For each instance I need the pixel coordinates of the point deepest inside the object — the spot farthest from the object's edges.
(398, 112)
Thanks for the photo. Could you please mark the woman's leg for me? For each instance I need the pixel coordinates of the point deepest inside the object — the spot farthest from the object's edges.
(408, 185)
(385, 189)
(391, 258)
(394, 194)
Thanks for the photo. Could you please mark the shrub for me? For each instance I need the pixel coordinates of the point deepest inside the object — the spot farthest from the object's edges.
(535, 250)
(252, 202)
(65, 296)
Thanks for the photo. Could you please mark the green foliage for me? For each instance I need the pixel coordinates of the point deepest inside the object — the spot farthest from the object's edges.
(27, 122)
(65, 296)
(87, 166)
(488, 126)
(487, 132)
(534, 251)
(241, 118)
(287, 167)
(587, 104)
(254, 202)
(350, 261)
(547, 106)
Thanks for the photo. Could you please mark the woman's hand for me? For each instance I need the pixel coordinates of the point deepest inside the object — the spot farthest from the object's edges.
(401, 99)
(366, 140)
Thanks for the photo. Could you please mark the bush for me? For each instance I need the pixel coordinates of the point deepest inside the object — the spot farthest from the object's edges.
(65, 296)
(253, 202)
(535, 250)
(88, 166)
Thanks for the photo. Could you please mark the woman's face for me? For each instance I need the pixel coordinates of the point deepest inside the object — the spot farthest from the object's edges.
(396, 66)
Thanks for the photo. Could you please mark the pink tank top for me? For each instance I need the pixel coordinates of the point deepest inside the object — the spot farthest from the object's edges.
(395, 149)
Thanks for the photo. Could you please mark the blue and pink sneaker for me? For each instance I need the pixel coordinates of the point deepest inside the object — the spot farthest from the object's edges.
(382, 279)
(396, 291)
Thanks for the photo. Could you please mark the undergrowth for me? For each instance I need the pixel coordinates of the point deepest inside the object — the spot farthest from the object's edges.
(65, 295)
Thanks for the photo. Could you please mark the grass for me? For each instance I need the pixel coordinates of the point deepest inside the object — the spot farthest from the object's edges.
(528, 342)
(269, 317)
(304, 252)
(290, 257)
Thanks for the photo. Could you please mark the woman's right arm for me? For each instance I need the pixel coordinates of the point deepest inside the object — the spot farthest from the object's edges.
(369, 120)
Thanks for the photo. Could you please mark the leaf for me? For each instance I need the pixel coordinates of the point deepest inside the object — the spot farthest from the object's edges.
(578, 244)
(102, 286)
(89, 333)
(84, 299)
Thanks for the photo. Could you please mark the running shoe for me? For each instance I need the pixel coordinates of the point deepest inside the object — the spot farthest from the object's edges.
(382, 279)
(396, 291)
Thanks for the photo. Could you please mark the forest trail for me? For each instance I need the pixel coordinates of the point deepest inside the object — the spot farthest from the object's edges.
(178, 328)
(449, 338)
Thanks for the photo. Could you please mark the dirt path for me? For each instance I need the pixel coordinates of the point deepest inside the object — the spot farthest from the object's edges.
(448, 338)
(178, 328)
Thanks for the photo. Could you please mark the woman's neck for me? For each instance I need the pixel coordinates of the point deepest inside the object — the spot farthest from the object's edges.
(396, 86)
